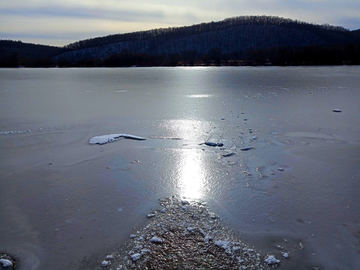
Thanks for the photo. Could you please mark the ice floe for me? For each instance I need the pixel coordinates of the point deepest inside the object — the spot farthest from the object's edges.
(156, 239)
(105, 263)
(103, 139)
(270, 260)
(6, 263)
(136, 256)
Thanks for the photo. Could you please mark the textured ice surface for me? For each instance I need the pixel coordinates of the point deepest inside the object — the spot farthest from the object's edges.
(191, 239)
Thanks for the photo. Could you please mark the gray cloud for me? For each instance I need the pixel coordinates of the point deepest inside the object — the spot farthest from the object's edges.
(87, 13)
(119, 16)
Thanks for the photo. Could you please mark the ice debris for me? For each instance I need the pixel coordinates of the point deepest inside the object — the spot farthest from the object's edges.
(150, 215)
(135, 256)
(14, 132)
(105, 263)
(156, 239)
(213, 144)
(222, 243)
(113, 138)
(247, 148)
(270, 260)
(192, 239)
(228, 154)
(6, 263)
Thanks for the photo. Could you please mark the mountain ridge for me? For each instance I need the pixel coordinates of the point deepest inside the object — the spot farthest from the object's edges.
(234, 38)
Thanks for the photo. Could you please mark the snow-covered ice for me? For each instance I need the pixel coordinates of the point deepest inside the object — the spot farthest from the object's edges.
(6, 263)
(270, 259)
(103, 139)
(105, 263)
(135, 256)
(156, 239)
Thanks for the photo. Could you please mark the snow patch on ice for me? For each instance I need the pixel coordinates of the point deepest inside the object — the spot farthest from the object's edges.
(270, 259)
(156, 239)
(103, 139)
(105, 263)
(135, 256)
(6, 263)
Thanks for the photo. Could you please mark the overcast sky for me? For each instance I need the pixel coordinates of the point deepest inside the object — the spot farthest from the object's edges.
(60, 22)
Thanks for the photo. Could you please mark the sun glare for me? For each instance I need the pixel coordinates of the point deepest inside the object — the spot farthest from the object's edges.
(192, 177)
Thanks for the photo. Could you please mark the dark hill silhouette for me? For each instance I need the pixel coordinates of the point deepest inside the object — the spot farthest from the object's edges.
(11, 52)
(247, 40)
(230, 35)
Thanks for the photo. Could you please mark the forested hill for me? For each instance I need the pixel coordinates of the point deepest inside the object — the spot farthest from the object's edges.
(231, 37)
(247, 40)
(11, 52)
(279, 30)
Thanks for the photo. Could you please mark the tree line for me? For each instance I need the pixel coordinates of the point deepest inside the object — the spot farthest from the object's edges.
(279, 56)
(246, 40)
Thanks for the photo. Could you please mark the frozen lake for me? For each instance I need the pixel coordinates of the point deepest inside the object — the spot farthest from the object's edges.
(63, 200)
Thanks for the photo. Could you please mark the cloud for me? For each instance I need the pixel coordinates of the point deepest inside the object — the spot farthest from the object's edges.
(87, 13)
(94, 17)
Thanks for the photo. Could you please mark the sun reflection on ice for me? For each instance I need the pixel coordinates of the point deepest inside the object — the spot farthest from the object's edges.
(189, 165)
(192, 178)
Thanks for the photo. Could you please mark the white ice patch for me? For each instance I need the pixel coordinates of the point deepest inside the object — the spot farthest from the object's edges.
(156, 240)
(270, 259)
(199, 96)
(135, 257)
(5, 262)
(113, 138)
(105, 263)
(222, 243)
(14, 132)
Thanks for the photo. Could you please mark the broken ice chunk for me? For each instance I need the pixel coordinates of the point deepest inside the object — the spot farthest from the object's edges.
(112, 138)
(156, 239)
(222, 243)
(135, 256)
(105, 263)
(6, 263)
(270, 259)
